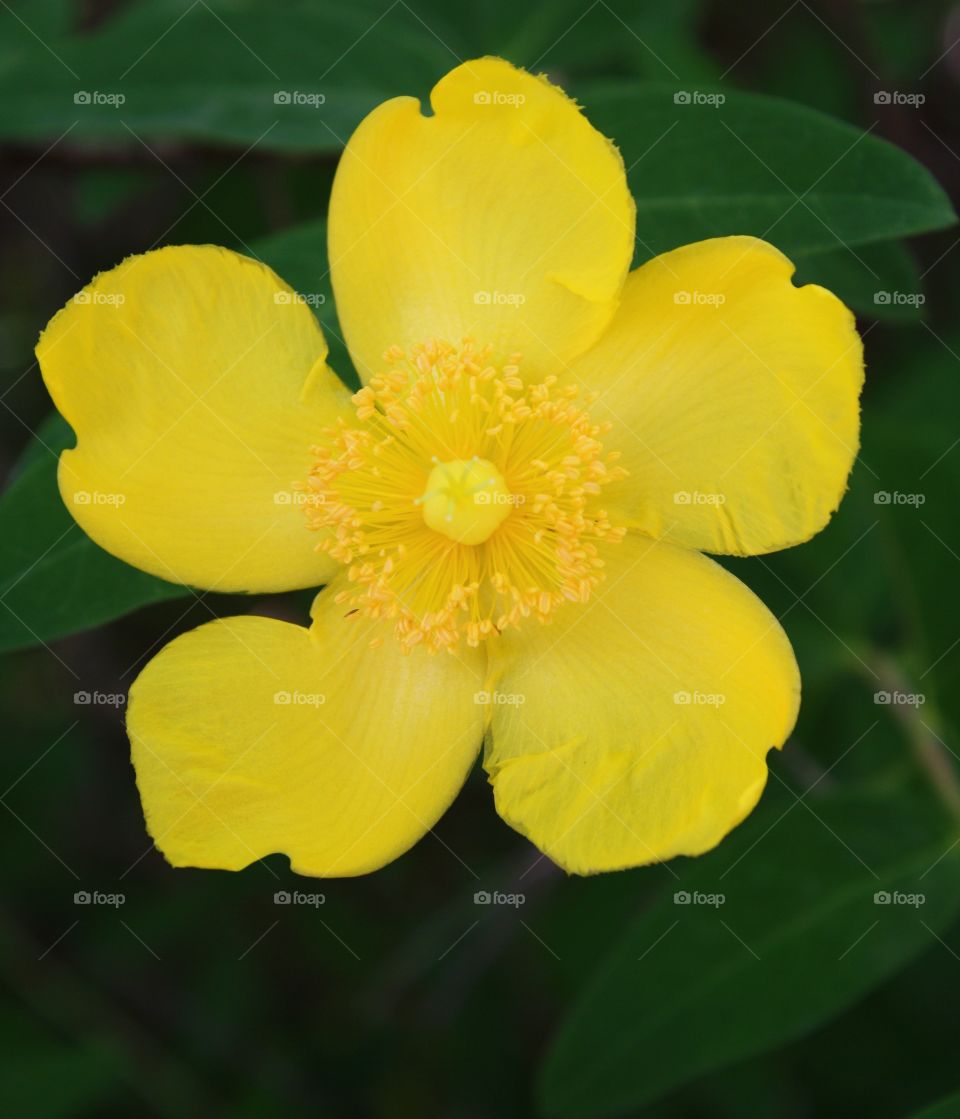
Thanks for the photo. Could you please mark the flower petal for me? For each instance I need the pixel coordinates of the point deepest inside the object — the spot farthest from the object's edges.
(195, 382)
(636, 728)
(505, 216)
(251, 736)
(733, 397)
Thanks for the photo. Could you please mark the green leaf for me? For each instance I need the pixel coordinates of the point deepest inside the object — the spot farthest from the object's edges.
(299, 256)
(213, 71)
(60, 1081)
(566, 38)
(799, 937)
(947, 1108)
(880, 281)
(910, 441)
(54, 580)
(759, 165)
(158, 56)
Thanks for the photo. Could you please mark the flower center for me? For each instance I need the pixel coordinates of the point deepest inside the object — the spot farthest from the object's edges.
(462, 500)
(466, 500)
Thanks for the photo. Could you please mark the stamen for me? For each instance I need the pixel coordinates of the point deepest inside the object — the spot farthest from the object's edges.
(462, 501)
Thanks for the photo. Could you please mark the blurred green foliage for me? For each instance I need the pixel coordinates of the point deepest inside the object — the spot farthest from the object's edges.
(800, 995)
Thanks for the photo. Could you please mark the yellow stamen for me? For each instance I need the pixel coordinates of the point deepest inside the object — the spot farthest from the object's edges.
(464, 499)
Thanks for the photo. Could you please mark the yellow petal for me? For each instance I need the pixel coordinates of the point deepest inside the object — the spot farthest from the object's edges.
(195, 383)
(733, 396)
(251, 736)
(504, 216)
(637, 728)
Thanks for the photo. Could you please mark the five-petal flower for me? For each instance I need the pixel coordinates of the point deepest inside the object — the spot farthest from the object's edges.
(542, 436)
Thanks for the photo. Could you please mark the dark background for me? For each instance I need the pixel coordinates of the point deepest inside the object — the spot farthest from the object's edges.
(399, 996)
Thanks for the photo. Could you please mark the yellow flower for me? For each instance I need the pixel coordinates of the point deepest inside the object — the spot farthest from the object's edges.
(543, 436)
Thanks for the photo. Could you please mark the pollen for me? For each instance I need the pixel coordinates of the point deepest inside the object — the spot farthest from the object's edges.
(463, 500)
